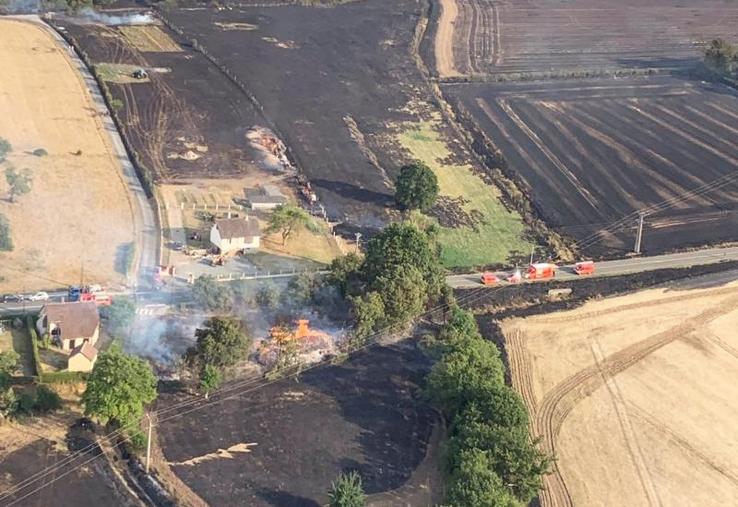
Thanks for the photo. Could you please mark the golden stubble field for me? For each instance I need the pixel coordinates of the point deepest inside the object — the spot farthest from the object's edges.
(78, 215)
(635, 396)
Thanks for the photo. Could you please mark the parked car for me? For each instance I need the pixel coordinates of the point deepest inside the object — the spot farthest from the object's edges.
(12, 298)
(39, 296)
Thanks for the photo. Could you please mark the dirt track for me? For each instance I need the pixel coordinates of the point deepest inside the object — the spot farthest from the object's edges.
(77, 215)
(444, 39)
(626, 367)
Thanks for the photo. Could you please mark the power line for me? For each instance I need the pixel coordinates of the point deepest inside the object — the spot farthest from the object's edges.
(466, 299)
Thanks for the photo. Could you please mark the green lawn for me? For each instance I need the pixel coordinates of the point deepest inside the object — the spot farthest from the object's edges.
(19, 341)
(500, 233)
(120, 73)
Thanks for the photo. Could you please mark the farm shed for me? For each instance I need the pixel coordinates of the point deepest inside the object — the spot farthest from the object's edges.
(265, 197)
(82, 358)
(234, 234)
(70, 324)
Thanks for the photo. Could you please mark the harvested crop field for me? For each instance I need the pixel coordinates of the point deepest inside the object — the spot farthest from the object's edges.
(634, 395)
(77, 214)
(287, 441)
(187, 120)
(549, 36)
(593, 153)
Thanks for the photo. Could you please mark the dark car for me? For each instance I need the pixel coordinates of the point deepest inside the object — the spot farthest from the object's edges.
(12, 298)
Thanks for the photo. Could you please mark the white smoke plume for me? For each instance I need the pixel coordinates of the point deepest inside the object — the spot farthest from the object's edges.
(20, 6)
(145, 18)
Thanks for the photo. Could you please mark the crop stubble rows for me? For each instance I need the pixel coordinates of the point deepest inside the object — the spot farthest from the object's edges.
(590, 152)
(549, 414)
(537, 36)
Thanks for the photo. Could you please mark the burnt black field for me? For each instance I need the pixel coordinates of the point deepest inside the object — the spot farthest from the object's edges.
(310, 68)
(366, 414)
(192, 102)
(592, 152)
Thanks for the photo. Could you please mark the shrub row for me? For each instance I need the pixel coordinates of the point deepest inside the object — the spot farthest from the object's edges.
(490, 458)
(59, 377)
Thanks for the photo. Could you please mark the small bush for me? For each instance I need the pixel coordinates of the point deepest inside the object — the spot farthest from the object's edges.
(6, 241)
(47, 400)
(26, 404)
(116, 104)
(267, 296)
(40, 152)
(5, 148)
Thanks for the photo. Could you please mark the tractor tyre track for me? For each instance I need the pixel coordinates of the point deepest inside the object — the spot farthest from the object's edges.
(558, 403)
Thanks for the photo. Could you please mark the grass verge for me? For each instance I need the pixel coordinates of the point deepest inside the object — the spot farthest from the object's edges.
(497, 234)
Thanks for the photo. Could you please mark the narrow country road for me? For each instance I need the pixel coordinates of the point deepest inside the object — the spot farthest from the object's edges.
(146, 228)
(621, 266)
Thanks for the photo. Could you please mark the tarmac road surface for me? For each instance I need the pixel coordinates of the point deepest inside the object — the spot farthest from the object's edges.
(621, 266)
(146, 229)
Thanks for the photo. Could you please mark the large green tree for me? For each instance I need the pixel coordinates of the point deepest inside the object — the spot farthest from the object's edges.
(19, 182)
(403, 244)
(368, 312)
(473, 483)
(416, 187)
(119, 314)
(404, 291)
(222, 343)
(287, 219)
(347, 491)
(119, 388)
(345, 273)
(212, 295)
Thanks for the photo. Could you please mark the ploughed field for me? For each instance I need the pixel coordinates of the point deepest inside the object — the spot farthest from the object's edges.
(634, 395)
(284, 443)
(592, 153)
(550, 36)
(332, 80)
(187, 119)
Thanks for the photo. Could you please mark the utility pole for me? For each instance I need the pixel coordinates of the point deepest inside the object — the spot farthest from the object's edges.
(148, 444)
(532, 249)
(639, 235)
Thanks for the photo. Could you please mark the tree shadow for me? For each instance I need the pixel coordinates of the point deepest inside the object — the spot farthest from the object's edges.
(124, 257)
(351, 191)
(285, 499)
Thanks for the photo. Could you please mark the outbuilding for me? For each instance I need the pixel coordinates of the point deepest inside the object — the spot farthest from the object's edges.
(265, 197)
(235, 234)
(82, 358)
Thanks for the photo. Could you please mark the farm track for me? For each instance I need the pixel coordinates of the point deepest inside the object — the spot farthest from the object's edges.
(151, 122)
(558, 403)
(521, 374)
